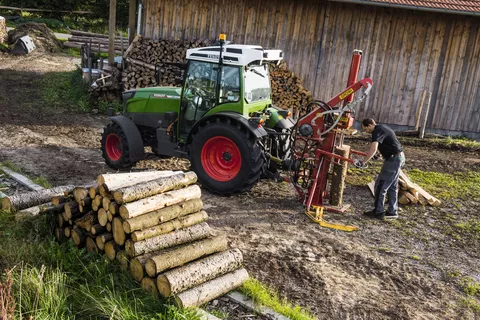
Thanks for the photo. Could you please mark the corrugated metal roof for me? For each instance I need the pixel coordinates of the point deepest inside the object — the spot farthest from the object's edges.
(448, 5)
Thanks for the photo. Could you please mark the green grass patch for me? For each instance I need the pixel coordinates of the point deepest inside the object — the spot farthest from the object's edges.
(471, 227)
(65, 90)
(259, 293)
(470, 286)
(42, 181)
(73, 52)
(415, 257)
(460, 185)
(10, 166)
(361, 177)
(472, 304)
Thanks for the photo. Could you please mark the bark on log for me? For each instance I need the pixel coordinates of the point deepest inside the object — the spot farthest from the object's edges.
(59, 199)
(36, 210)
(97, 229)
(198, 272)
(86, 202)
(87, 221)
(71, 210)
(116, 181)
(186, 253)
(137, 266)
(338, 178)
(33, 198)
(78, 236)
(122, 260)
(179, 223)
(149, 285)
(118, 233)
(182, 236)
(134, 209)
(91, 245)
(154, 187)
(212, 289)
(102, 217)
(52, 209)
(162, 215)
(111, 250)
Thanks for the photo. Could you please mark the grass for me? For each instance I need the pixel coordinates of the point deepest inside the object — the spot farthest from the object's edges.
(472, 304)
(40, 180)
(460, 185)
(59, 281)
(259, 293)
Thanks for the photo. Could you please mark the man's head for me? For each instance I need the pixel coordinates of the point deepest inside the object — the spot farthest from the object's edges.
(368, 125)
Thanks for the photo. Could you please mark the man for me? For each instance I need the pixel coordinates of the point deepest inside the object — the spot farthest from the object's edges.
(385, 141)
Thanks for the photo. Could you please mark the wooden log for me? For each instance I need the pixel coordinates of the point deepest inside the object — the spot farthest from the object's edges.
(91, 245)
(78, 236)
(56, 200)
(154, 187)
(136, 208)
(60, 234)
(402, 198)
(100, 243)
(114, 181)
(118, 233)
(122, 260)
(71, 210)
(52, 209)
(153, 218)
(32, 198)
(106, 203)
(109, 216)
(97, 229)
(113, 208)
(102, 217)
(198, 272)
(182, 236)
(87, 221)
(137, 266)
(212, 289)
(80, 193)
(338, 178)
(68, 232)
(109, 227)
(86, 202)
(149, 285)
(102, 239)
(175, 224)
(61, 221)
(184, 254)
(410, 197)
(36, 210)
(93, 191)
(111, 250)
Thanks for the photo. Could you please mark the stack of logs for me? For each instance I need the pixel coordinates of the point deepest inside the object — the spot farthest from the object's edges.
(153, 224)
(410, 193)
(99, 41)
(145, 54)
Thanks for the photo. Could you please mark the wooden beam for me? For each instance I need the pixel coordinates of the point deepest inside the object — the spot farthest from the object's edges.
(131, 20)
(43, 10)
(111, 31)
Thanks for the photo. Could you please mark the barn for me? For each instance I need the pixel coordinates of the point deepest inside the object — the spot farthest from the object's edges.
(411, 49)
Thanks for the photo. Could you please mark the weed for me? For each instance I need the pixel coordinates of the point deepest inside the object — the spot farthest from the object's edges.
(415, 257)
(7, 302)
(10, 166)
(42, 181)
(472, 304)
(470, 286)
(471, 227)
(263, 295)
(385, 249)
(219, 314)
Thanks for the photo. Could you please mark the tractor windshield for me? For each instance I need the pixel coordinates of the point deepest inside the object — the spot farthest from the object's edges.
(257, 83)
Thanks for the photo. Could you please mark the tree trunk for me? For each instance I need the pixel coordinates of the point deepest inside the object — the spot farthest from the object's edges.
(78, 236)
(111, 250)
(122, 260)
(198, 272)
(97, 229)
(179, 256)
(102, 217)
(87, 221)
(114, 181)
(149, 285)
(91, 245)
(33, 198)
(187, 235)
(134, 209)
(153, 218)
(212, 289)
(179, 223)
(118, 233)
(338, 178)
(154, 187)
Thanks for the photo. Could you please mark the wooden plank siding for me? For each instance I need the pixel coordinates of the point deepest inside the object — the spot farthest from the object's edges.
(405, 52)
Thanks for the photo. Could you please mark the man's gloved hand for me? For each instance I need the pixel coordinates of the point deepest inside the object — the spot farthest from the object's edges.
(359, 164)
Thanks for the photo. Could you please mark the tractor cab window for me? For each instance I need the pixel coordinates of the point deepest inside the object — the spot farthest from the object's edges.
(257, 83)
(230, 86)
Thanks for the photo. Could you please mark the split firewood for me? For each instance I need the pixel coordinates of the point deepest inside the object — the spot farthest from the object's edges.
(118, 233)
(212, 289)
(78, 236)
(139, 207)
(116, 181)
(198, 272)
(149, 285)
(111, 250)
(32, 198)
(154, 187)
(182, 236)
(175, 224)
(184, 254)
(153, 218)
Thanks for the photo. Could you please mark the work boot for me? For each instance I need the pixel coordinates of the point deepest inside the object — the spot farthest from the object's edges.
(374, 214)
(390, 216)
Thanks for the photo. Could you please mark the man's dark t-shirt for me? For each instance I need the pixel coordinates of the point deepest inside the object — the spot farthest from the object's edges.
(388, 143)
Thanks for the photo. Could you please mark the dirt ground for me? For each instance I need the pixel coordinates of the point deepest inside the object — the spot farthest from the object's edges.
(384, 271)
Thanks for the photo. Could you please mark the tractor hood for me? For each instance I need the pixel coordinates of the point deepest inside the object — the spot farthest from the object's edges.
(152, 100)
(159, 92)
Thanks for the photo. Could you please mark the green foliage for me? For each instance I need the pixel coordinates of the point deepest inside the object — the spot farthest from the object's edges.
(65, 90)
(471, 227)
(460, 185)
(470, 286)
(10, 165)
(262, 295)
(472, 304)
(42, 181)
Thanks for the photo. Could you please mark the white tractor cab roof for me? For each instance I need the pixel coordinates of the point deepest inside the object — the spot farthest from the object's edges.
(236, 54)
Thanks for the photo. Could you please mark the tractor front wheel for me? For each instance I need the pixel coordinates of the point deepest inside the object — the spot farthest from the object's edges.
(115, 147)
(226, 158)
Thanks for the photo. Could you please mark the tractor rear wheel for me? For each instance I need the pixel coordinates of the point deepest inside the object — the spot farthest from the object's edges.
(226, 157)
(115, 147)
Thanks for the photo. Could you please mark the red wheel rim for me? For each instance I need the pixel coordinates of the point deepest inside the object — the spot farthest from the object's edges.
(113, 147)
(221, 159)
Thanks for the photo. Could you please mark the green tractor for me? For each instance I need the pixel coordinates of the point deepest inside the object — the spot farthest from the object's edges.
(221, 118)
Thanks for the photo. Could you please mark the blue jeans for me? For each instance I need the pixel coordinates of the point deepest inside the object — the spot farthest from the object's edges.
(387, 183)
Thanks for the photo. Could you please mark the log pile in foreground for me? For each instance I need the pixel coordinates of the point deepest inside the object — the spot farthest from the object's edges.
(411, 193)
(154, 225)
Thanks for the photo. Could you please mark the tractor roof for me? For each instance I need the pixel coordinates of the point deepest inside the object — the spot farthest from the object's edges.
(235, 54)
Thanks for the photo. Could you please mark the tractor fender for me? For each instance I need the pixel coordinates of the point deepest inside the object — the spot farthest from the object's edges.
(134, 139)
(258, 132)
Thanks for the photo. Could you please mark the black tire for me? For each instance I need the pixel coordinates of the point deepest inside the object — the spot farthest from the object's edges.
(116, 157)
(252, 160)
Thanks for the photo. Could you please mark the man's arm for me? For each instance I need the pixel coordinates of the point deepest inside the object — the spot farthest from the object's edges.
(371, 152)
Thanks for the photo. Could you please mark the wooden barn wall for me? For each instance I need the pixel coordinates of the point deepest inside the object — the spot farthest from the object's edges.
(404, 51)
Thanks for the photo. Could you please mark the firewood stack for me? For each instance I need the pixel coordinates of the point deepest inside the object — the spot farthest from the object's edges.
(144, 54)
(99, 41)
(153, 224)
(410, 193)
(287, 89)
